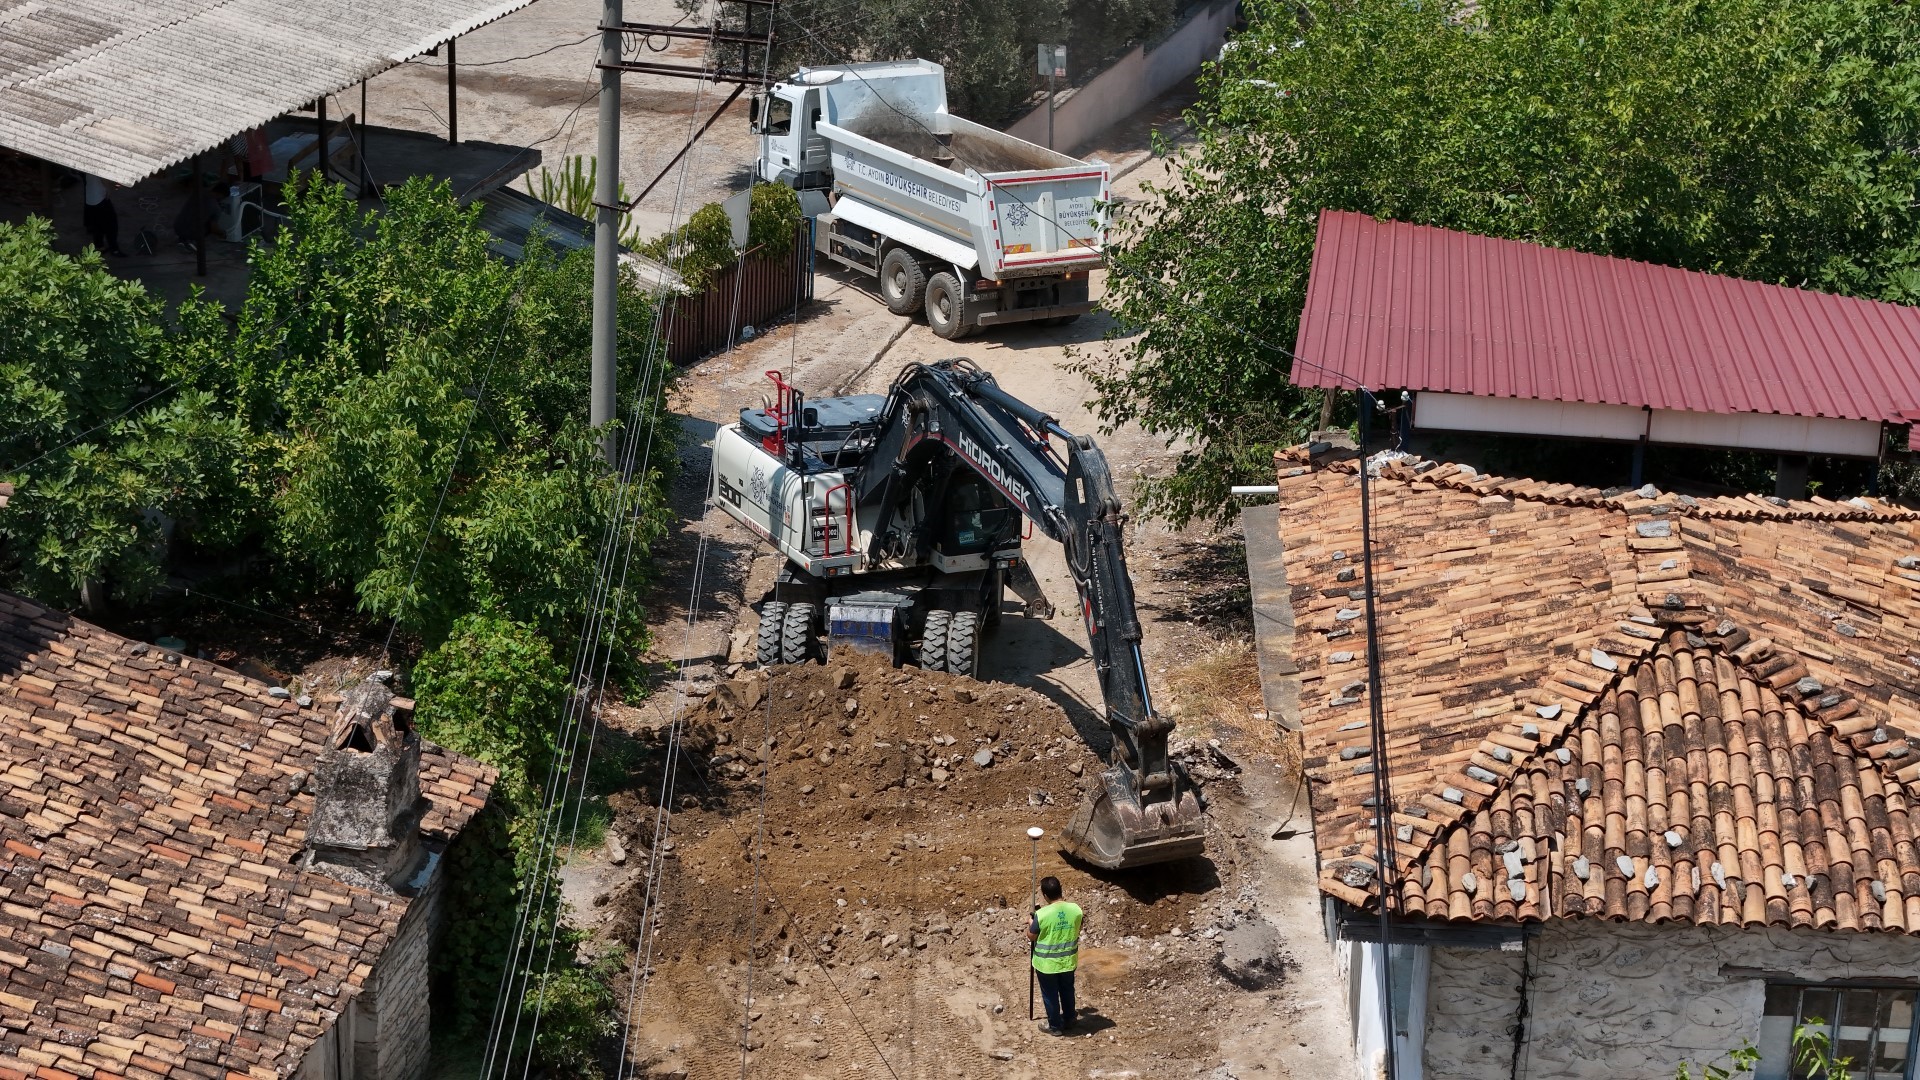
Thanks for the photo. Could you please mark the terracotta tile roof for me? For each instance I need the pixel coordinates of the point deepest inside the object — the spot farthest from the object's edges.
(152, 920)
(1576, 677)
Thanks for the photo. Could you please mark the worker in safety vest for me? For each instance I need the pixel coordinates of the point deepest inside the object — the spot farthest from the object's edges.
(1055, 933)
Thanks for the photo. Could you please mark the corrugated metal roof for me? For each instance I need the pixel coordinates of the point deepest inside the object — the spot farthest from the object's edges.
(1398, 306)
(511, 217)
(124, 90)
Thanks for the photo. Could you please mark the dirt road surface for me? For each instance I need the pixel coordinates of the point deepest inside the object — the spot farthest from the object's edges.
(813, 933)
(1215, 969)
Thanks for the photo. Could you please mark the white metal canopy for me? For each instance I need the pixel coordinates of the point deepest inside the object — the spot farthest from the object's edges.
(125, 89)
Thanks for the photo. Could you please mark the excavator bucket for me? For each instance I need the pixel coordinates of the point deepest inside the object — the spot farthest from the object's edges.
(1113, 829)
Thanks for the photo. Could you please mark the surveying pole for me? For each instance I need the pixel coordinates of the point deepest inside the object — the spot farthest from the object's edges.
(606, 228)
(1033, 899)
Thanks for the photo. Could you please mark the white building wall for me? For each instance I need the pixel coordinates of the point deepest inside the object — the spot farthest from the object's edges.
(1616, 1001)
(1133, 81)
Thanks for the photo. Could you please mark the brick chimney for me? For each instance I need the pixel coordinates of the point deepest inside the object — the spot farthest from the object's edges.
(366, 793)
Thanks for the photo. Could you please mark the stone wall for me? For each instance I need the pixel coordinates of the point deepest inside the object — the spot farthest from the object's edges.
(1611, 1001)
(392, 1021)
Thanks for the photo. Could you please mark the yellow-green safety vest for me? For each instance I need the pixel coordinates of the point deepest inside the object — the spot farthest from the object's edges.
(1057, 949)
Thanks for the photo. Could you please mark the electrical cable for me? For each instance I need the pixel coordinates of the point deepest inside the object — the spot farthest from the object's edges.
(597, 629)
(420, 62)
(774, 898)
(453, 468)
(663, 813)
(1385, 860)
(593, 631)
(587, 650)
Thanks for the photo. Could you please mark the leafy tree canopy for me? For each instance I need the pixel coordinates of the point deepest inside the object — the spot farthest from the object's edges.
(1771, 142)
(430, 411)
(105, 427)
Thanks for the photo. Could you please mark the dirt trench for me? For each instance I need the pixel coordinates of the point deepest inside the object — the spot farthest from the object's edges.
(879, 930)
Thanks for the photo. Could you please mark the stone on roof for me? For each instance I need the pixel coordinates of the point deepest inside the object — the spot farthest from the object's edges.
(1569, 691)
(155, 918)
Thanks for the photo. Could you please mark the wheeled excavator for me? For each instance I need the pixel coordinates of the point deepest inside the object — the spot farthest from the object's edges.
(900, 517)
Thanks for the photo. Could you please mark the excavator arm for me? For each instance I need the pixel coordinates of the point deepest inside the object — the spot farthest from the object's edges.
(1146, 809)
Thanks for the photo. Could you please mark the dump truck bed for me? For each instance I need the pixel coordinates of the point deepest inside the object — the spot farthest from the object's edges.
(1000, 205)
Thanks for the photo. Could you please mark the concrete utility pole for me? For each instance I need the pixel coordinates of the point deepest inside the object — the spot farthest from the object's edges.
(606, 227)
(1053, 64)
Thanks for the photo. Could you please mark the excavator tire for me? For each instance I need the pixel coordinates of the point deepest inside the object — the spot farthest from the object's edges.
(963, 644)
(796, 634)
(773, 615)
(947, 312)
(903, 282)
(933, 640)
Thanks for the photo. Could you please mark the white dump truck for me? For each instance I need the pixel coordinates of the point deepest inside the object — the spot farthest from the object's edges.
(971, 225)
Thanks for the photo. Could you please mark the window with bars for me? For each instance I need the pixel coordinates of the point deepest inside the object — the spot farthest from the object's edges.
(1872, 1025)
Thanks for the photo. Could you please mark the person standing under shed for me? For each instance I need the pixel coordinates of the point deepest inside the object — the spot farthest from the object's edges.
(1055, 933)
(102, 221)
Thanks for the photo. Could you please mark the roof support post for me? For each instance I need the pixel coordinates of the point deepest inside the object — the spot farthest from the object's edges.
(198, 193)
(320, 127)
(453, 94)
(366, 170)
(606, 227)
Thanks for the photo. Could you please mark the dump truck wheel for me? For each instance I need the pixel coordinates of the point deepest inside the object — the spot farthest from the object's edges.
(947, 312)
(903, 282)
(773, 616)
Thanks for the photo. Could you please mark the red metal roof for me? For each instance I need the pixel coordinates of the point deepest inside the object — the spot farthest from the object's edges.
(1398, 306)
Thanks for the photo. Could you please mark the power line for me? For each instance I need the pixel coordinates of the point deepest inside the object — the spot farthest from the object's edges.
(592, 634)
(419, 62)
(586, 656)
(453, 469)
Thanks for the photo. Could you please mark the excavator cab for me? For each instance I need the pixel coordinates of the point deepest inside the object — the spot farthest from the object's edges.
(977, 521)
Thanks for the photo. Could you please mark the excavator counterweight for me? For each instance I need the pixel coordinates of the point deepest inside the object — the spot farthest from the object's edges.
(900, 519)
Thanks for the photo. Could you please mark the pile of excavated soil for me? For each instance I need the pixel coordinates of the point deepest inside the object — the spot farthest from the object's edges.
(880, 930)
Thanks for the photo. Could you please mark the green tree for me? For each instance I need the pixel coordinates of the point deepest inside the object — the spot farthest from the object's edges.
(493, 691)
(105, 429)
(430, 416)
(704, 247)
(1772, 142)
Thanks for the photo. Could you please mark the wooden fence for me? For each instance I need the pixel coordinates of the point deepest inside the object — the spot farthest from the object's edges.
(754, 292)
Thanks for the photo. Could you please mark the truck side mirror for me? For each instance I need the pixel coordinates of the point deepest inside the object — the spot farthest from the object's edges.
(755, 104)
